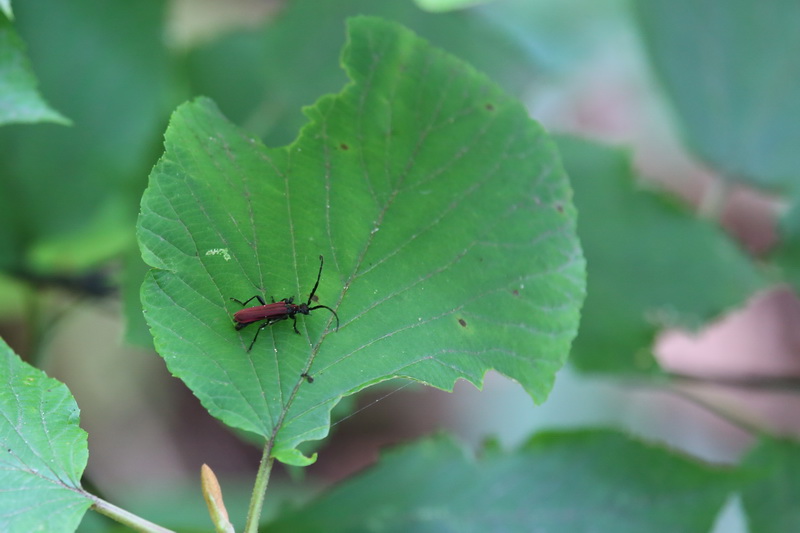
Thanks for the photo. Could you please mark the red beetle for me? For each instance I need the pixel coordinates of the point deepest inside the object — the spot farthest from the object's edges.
(277, 311)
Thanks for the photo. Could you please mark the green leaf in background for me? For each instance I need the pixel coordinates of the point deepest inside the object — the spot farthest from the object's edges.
(584, 481)
(731, 71)
(19, 99)
(787, 254)
(261, 78)
(68, 195)
(441, 210)
(133, 273)
(446, 5)
(651, 263)
(43, 451)
(5, 6)
(770, 503)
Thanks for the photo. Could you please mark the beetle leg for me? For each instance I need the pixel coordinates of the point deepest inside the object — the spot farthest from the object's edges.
(262, 326)
(256, 297)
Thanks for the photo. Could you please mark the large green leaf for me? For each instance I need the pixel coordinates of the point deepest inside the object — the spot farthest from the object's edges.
(441, 210)
(770, 501)
(43, 451)
(730, 68)
(19, 99)
(586, 481)
(651, 263)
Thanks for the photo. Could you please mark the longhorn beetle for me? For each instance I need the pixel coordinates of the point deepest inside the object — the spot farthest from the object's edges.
(277, 311)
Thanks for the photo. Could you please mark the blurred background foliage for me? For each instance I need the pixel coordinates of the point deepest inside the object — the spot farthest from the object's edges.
(686, 222)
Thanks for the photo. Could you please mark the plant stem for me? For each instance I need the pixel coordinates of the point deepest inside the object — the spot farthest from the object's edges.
(259, 490)
(124, 517)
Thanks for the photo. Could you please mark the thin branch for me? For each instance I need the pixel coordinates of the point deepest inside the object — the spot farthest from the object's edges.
(672, 383)
(731, 416)
(124, 517)
(765, 383)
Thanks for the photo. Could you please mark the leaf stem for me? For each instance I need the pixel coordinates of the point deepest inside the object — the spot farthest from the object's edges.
(124, 517)
(259, 490)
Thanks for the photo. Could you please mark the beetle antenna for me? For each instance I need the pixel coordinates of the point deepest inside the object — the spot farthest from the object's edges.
(329, 309)
(319, 274)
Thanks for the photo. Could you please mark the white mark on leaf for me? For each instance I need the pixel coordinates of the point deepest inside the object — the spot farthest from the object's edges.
(220, 251)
